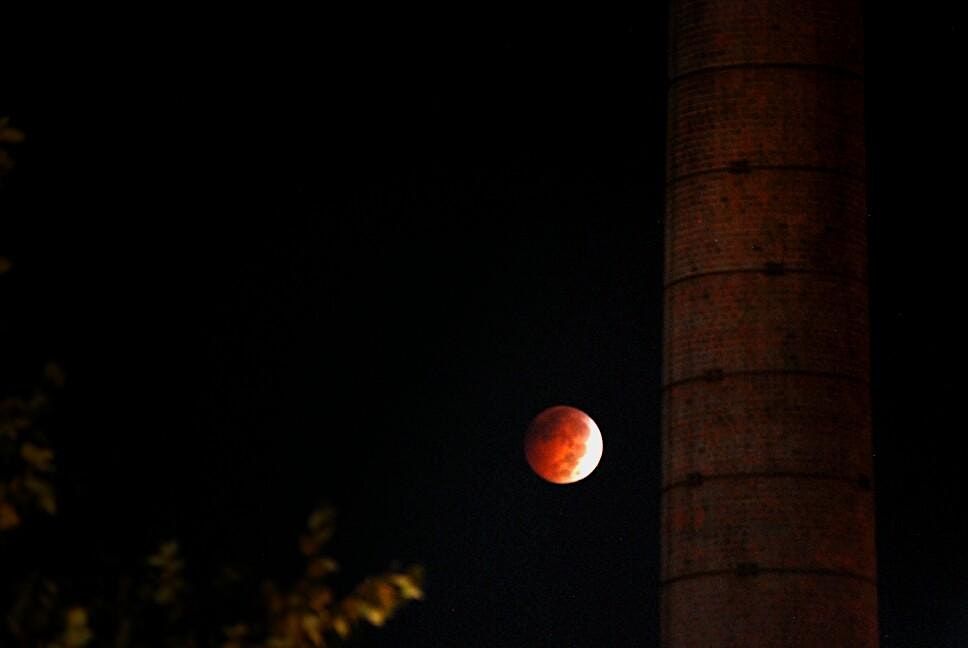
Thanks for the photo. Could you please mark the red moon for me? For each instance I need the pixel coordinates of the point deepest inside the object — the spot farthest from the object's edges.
(563, 444)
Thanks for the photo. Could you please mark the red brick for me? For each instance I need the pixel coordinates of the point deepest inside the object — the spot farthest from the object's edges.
(775, 522)
(769, 610)
(765, 117)
(750, 321)
(711, 33)
(803, 220)
(767, 423)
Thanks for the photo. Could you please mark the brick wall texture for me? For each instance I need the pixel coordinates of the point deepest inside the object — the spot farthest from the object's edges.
(768, 511)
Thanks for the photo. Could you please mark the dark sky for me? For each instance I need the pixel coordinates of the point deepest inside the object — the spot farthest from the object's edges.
(287, 258)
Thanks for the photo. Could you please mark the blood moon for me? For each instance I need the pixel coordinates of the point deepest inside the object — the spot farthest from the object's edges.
(563, 444)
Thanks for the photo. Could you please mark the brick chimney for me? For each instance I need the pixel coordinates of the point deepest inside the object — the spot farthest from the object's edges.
(768, 504)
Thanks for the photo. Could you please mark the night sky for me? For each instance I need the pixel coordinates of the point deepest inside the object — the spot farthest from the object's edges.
(293, 258)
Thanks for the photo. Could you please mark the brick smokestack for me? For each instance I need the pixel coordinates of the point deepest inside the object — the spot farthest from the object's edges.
(768, 509)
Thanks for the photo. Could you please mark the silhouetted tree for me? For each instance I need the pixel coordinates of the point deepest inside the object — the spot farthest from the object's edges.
(154, 603)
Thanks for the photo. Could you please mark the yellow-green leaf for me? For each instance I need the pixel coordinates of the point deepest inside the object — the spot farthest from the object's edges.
(321, 567)
(408, 586)
(312, 626)
(43, 492)
(9, 134)
(9, 518)
(341, 627)
(38, 457)
(77, 634)
(166, 555)
(54, 374)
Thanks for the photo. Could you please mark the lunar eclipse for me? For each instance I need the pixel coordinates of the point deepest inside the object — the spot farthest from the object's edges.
(563, 444)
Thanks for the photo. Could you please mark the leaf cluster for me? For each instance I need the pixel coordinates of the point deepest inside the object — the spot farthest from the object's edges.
(27, 464)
